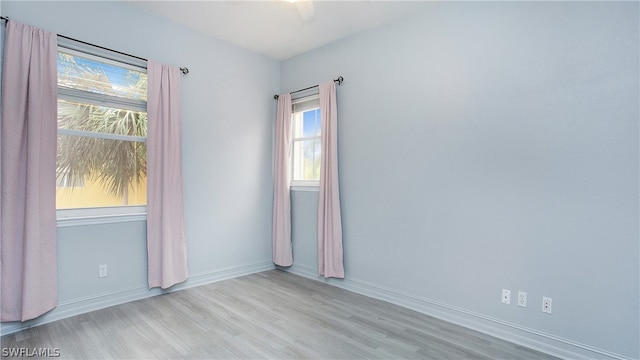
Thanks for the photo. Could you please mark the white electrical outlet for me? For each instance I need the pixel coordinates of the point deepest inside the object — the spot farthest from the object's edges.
(506, 296)
(522, 298)
(546, 305)
(102, 271)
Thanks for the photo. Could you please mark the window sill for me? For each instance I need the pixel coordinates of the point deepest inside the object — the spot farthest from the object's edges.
(304, 188)
(100, 219)
(97, 216)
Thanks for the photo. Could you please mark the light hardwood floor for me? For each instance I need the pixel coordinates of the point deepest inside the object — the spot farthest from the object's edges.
(272, 314)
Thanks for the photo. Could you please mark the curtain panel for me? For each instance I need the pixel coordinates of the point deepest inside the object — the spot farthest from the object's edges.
(28, 137)
(330, 253)
(166, 242)
(282, 251)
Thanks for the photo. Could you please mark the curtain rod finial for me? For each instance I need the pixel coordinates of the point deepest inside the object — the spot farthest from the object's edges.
(184, 70)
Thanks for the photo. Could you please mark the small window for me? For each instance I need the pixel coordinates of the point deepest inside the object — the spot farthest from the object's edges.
(102, 129)
(306, 149)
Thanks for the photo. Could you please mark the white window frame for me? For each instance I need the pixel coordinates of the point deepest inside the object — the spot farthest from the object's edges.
(101, 215)
(299, 106)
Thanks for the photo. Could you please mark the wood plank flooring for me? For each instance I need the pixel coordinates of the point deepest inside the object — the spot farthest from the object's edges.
(274, 315)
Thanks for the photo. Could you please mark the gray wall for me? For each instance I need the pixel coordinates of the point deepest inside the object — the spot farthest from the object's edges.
(226, 156)
(486, 146)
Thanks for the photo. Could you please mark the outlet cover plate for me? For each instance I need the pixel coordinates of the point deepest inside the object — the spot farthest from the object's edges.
(506, 296)
(522, 298)
(546, 305)
(102, 271)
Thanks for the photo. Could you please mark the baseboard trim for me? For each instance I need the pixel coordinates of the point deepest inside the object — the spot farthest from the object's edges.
(226, 273)
(517, 334)
(100, 301)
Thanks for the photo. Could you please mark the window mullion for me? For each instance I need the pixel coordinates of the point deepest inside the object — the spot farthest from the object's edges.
(95, 135)
(101, 99)
(302, 138)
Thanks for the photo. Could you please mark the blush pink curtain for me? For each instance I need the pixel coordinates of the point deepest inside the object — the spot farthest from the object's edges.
(282, 253)
(330, 262)
(28, 269)
(166, 242)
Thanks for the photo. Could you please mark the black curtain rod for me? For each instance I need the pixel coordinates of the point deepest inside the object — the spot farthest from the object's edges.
(339, 80)
(184, 70)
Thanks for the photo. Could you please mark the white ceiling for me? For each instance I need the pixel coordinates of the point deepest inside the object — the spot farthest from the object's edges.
(276, 28)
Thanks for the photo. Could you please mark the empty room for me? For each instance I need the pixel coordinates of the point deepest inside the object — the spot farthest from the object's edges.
(320, 179)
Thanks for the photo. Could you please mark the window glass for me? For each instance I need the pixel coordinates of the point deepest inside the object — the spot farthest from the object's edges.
(100, 76)
(306, 152)
(101, 119)
(102, 129)
(311, 120)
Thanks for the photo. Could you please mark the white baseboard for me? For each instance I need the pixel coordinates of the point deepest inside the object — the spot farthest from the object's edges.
(100, 301)
(520, 335)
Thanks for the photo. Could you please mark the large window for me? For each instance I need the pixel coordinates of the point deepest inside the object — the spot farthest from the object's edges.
(306, 150)
(102, 129)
